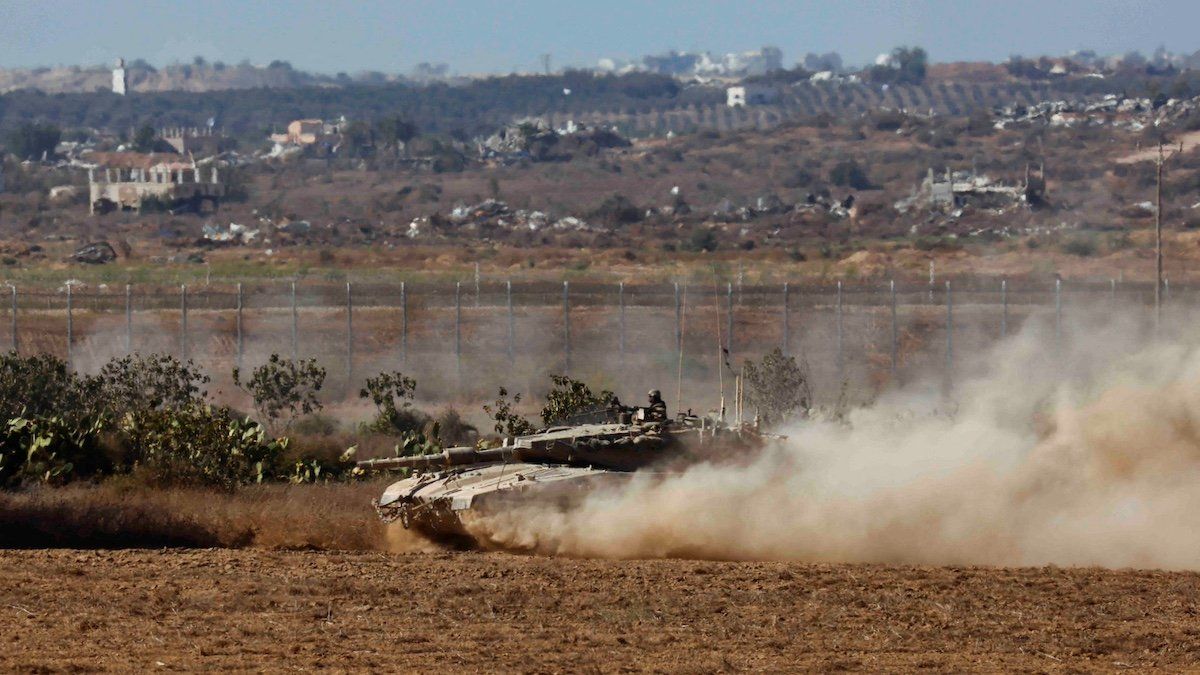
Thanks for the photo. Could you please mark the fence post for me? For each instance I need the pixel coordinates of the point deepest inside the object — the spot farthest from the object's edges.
(183, 322)
(70, 325)
(403, 322)
(678, 321)
(895, 329)
(1004, 308)
(295, 326)
(1112, 290)
(476, 285)
(949, 337)
(458, 329)
(786, 327)
(840, 355)
(349, 334)
(729, 318)
(512, 332)
(240, 350)
(621, 320)
(567, 324)
(15, 343)
(1057, 312)
(128, 319)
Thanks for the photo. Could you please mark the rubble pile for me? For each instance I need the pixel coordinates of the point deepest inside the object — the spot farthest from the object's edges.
(234, 235)
(535, 140)
(771, 204)
(494, 214)
(1114, 110)
(96, 253)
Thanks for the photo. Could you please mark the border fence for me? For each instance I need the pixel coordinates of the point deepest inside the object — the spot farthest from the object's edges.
(463, 339)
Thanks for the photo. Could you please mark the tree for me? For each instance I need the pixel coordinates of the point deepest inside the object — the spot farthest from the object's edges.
(394, 130)
(849, 173)
(144, 139)
(617, 210)
(912, 63)
(359, 139)
(778, 386)
(33, 139)
(908, 66)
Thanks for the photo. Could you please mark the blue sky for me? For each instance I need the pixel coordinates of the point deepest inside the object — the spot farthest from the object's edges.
(476, 36)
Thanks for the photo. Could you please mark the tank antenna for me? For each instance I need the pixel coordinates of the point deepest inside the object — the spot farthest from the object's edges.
(682, 325)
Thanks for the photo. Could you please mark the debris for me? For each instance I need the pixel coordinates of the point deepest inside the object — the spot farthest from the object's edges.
(234, 235)
(97, 253)
(63, 193)
(295, 227)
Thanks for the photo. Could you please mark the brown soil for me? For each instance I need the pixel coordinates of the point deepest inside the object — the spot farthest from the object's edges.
(275, 610)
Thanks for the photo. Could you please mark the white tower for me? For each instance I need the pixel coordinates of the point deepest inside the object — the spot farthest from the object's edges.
(118, 86)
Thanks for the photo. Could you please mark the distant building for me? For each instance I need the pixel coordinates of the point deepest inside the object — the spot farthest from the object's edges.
(750, 94)
(125, 180)
(703, 65)
(119, 81)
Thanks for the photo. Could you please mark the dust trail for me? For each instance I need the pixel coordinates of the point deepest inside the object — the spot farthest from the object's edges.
(1086, 454)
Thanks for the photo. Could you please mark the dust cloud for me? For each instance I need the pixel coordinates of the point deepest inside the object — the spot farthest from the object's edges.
(1083, 450)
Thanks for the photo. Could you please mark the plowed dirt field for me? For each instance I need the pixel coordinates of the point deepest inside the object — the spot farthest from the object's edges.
(284, 610)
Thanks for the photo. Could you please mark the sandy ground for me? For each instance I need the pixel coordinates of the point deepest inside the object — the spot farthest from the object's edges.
(286, 610)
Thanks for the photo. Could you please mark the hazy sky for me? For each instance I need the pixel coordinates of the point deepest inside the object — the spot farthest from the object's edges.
(492, 36)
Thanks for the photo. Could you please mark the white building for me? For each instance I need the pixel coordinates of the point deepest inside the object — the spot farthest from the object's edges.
(750, 94)
(119, 81)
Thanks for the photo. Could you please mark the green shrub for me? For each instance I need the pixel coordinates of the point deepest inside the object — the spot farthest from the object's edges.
(202, 446)
(507, 421)
(392, 393)
(150, 383)
(283, 389)
(849, 173)
(1083, 247)
(570, 397)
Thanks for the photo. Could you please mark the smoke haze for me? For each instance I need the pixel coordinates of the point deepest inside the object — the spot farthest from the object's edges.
(1085, 453)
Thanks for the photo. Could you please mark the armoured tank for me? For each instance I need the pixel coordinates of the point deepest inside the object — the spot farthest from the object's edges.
(557, 466)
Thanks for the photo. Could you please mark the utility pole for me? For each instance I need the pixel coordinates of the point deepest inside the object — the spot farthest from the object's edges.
(1158, 250)
(1158, 256)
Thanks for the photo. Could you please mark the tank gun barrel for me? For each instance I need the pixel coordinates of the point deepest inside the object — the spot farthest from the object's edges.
(446, 458)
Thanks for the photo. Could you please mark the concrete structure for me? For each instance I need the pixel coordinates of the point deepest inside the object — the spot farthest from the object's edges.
(119, 81)
(125, 180)
(194, 140)
(962, 188)
(750, 94)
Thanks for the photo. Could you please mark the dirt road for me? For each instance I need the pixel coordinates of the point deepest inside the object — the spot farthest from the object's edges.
(253, 609)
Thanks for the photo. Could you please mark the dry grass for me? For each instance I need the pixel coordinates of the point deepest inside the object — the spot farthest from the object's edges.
(113, 515)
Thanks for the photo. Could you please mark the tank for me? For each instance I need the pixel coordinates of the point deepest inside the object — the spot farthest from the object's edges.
(557, 466)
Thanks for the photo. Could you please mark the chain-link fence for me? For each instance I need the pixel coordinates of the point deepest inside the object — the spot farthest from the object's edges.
(462, 341)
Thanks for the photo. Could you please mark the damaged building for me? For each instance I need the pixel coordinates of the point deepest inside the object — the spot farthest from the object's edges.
(962, 189)
(203, 141)
(127, 181)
